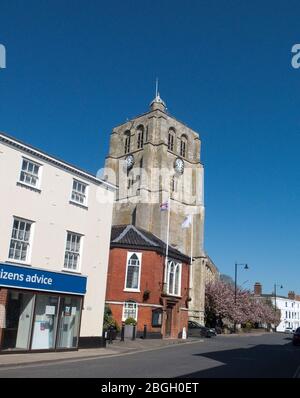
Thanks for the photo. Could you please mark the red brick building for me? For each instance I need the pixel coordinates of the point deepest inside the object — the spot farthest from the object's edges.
(139, 285)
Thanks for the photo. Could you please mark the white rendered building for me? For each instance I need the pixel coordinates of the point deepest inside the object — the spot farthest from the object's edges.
(290, 312)
(55, 225)
(288, 306)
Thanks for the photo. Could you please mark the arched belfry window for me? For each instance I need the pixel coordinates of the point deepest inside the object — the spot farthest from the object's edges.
(127, 141)
(183, 146)
(171, 139)
(133, 271)
(140, 137)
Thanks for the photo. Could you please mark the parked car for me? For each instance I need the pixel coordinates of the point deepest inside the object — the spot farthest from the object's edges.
(197, 330)
(289, 330)
(213, 331)
(296, 337)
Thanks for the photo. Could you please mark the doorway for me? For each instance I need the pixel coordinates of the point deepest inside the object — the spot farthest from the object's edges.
(69, 319)
(45, 321)
(169, 320)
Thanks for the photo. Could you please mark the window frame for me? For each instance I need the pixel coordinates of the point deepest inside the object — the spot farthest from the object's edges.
(85, 194)
(127, 141)
(159, 312)
(183, 146)
(29, 243)
(177, 265)
(140, 137)
(139, 256)
(124, 308)
(79, 261)
(171, 139)
(38, 176)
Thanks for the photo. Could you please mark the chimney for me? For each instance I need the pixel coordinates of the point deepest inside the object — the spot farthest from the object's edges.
(257, 289)
(291, 295)
(297, 297)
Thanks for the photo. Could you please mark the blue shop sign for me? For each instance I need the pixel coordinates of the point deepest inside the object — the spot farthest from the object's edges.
(36, 279)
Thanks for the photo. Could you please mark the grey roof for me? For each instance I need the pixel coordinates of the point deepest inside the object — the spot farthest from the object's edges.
(130, 236)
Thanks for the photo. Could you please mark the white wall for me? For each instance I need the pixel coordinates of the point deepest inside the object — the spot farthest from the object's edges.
(53, 216)
(290, 313)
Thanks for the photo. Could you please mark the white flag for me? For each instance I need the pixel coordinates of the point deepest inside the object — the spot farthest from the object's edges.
(187, 221)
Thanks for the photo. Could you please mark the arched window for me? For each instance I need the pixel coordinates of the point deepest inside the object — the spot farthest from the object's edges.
(171, 139)
(130, 309)
(173, 278)
(127, 141)
(177, 280)
(140, 137)
(133, 271)
(183, 146)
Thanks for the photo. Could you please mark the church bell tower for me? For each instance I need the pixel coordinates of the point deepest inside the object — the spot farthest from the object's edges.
(155, 159)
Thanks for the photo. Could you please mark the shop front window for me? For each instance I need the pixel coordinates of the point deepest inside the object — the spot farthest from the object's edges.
(15, 320)
(38, 321)
(69, 317)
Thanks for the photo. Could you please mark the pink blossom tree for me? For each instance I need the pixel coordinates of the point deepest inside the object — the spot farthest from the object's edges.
(220, 305)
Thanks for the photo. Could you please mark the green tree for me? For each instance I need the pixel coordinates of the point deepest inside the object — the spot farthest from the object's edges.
(108, 320)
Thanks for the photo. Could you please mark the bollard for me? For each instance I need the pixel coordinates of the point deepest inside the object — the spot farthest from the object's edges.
(104, 339)
(122, 332)
(145, 332)
(110, 336)
(133, 332)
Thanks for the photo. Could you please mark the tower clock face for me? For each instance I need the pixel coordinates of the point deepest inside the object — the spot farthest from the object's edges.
(129, 161)
(179, 166)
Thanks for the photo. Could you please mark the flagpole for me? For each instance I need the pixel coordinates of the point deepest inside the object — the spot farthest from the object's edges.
(191, 263)
(192, 237)
(168, 232)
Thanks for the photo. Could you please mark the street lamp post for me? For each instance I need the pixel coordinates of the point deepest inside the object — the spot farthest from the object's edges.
(280, 286)
(235, 284)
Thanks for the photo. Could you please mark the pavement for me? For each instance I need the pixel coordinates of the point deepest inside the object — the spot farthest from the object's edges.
(116, 348)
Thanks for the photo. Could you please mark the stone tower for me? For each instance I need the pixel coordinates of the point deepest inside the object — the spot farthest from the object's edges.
(152, 158)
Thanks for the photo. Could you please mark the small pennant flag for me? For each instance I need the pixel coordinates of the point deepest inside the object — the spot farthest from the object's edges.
(187, 222)
(164, 206)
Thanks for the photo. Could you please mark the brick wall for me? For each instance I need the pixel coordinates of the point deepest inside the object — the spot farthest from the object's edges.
(151, 276)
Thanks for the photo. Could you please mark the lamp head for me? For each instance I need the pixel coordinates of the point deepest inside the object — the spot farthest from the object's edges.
(246, 266)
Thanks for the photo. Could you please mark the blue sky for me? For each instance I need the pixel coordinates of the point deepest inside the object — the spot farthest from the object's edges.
(77, 68)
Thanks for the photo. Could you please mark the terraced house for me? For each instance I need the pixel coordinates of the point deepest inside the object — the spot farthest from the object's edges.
(55, 223)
